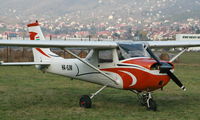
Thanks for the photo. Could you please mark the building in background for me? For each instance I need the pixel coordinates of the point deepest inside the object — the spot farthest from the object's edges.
(188, 37)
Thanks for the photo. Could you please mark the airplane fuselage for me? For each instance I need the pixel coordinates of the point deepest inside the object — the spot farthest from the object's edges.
(131, 74)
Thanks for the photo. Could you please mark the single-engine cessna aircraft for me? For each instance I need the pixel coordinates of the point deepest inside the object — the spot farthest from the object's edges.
(124, 65)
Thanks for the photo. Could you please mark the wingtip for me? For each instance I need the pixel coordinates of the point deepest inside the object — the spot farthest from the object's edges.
(1, 62)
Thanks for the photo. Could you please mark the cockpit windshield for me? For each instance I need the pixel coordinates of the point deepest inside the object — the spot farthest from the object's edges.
(131, 50)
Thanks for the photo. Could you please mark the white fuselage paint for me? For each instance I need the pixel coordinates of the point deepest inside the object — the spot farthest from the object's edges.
(74, 68)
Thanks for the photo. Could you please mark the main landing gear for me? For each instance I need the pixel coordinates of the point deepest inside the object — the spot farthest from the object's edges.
(147, 100)
(86, 101)
(144, 99)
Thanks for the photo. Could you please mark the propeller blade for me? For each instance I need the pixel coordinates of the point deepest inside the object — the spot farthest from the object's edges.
(176, 80)
(152, 55)
(165, 68)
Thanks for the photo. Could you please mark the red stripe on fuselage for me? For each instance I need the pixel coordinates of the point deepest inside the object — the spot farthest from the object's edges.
(145, 81)
(144, 62)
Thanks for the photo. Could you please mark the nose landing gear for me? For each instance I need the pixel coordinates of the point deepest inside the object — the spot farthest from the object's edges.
(150, 103)
(147, 100)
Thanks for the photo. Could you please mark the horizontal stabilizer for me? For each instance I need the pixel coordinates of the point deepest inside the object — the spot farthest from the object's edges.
(23, 63)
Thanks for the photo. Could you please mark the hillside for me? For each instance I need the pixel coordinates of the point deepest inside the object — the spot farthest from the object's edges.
(140, 9)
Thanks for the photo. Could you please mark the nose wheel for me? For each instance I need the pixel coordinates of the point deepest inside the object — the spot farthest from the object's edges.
(147, 100)
(151, 105)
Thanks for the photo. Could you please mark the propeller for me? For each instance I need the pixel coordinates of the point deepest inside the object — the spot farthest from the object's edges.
(165, 68)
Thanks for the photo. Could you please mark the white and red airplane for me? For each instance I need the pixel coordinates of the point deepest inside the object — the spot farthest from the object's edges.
(124, 65)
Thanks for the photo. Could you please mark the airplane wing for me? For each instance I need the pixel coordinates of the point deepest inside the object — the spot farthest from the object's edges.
(96, 44)
(173, 44)
(59, 44)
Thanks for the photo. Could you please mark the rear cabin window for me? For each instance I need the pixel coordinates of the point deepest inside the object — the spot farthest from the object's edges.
(105, 56)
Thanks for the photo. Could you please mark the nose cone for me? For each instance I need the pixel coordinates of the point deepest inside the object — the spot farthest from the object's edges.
(165, 67)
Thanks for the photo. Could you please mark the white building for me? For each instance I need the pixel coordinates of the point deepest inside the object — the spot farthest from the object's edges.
(188, 37)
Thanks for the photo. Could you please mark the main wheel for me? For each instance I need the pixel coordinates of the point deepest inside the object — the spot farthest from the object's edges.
(151, 105)
(85, 101)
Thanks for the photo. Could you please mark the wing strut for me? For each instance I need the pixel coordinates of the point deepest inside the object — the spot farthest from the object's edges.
(90, 65)
(174, 58)
(94, 94)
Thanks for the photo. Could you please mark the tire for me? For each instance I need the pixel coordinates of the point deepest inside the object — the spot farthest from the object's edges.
(85, 101)
(152, 105)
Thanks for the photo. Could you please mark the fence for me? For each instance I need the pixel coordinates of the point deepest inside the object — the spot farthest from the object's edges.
(24, 54)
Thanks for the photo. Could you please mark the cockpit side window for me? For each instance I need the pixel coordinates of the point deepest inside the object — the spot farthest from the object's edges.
(105, 56)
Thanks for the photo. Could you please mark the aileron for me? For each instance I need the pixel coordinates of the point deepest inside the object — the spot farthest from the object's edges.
(173, 44)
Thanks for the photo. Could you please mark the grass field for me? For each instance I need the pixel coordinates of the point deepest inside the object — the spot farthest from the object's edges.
(28, 94)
